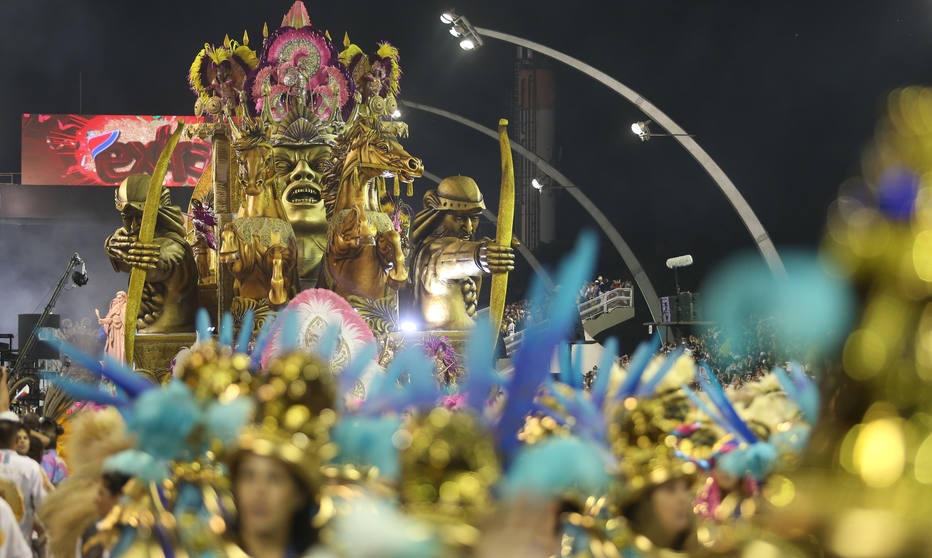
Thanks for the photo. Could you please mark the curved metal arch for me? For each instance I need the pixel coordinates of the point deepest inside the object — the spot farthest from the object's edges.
(745, 213)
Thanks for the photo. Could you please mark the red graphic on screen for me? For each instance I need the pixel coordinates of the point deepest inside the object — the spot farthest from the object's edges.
(102, 150)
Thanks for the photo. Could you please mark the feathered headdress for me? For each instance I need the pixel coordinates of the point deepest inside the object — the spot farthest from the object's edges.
(378, 82)
(300, 73)
(218, 75)
(177, 500)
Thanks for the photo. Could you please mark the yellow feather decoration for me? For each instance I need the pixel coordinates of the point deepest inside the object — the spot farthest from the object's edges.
(194, 74)
(349, 52)
(247, 55)
(386, 50)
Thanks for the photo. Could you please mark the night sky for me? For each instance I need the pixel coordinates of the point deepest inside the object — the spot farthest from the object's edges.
(783, 95)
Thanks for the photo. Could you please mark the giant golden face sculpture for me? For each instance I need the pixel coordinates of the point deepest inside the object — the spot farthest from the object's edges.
(298, 171)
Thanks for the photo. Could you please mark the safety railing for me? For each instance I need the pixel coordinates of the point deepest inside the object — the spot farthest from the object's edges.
(622, 297)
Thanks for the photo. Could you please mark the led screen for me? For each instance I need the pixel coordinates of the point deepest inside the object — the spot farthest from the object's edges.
(102, 150)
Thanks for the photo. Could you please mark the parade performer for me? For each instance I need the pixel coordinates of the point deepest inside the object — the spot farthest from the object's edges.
(70, 511)
(275, 468)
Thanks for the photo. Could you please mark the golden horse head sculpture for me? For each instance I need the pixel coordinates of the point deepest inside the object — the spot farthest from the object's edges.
(370, 154)
(255, 171)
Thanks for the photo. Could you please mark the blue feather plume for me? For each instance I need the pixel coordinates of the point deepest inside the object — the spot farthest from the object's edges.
(756, 460)
(600, 385)
(389, 393)
(713, 389)
(801, 390)
(224, 421)
(636, 367)
(666, 365)
(124, 378)
(701, 405)
(328, 342)
(163, 418)
(532, 363)
(288, 334)
(353, 371)
(367, 441)
(139, 464)
(202, 324)
(558, 467)
(86, 392)
(225, 337)
(587, 420)
(482, 377)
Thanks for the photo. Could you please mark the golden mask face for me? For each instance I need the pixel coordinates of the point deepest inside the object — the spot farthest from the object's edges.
(461, 225)
(132, 219)
(298, 173)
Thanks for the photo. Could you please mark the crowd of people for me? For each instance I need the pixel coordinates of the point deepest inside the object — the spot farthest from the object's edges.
(518, 315)
(278, 491)
(600, 285)
(30, 468)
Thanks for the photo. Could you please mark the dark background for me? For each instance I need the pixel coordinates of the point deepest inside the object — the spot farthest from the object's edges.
(783, 95)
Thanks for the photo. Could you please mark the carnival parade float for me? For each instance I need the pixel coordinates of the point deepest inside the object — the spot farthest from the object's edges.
(262, 399)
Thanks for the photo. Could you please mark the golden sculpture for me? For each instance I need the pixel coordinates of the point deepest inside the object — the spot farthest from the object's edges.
(300, 152)
(114, 325)
(259, 246)
(169, 295)
(448, 263)
(364, 257)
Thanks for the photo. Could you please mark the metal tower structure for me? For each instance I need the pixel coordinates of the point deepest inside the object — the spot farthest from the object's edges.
(533, 127)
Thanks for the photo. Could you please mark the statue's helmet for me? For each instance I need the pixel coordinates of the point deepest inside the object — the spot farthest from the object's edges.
(460, 194)
(132, 192)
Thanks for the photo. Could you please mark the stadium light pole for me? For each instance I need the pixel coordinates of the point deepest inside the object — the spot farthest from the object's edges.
(472, 36)
(627, 255)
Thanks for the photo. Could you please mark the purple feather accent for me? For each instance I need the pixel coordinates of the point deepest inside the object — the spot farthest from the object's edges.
(205, 220)
(438, 347)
